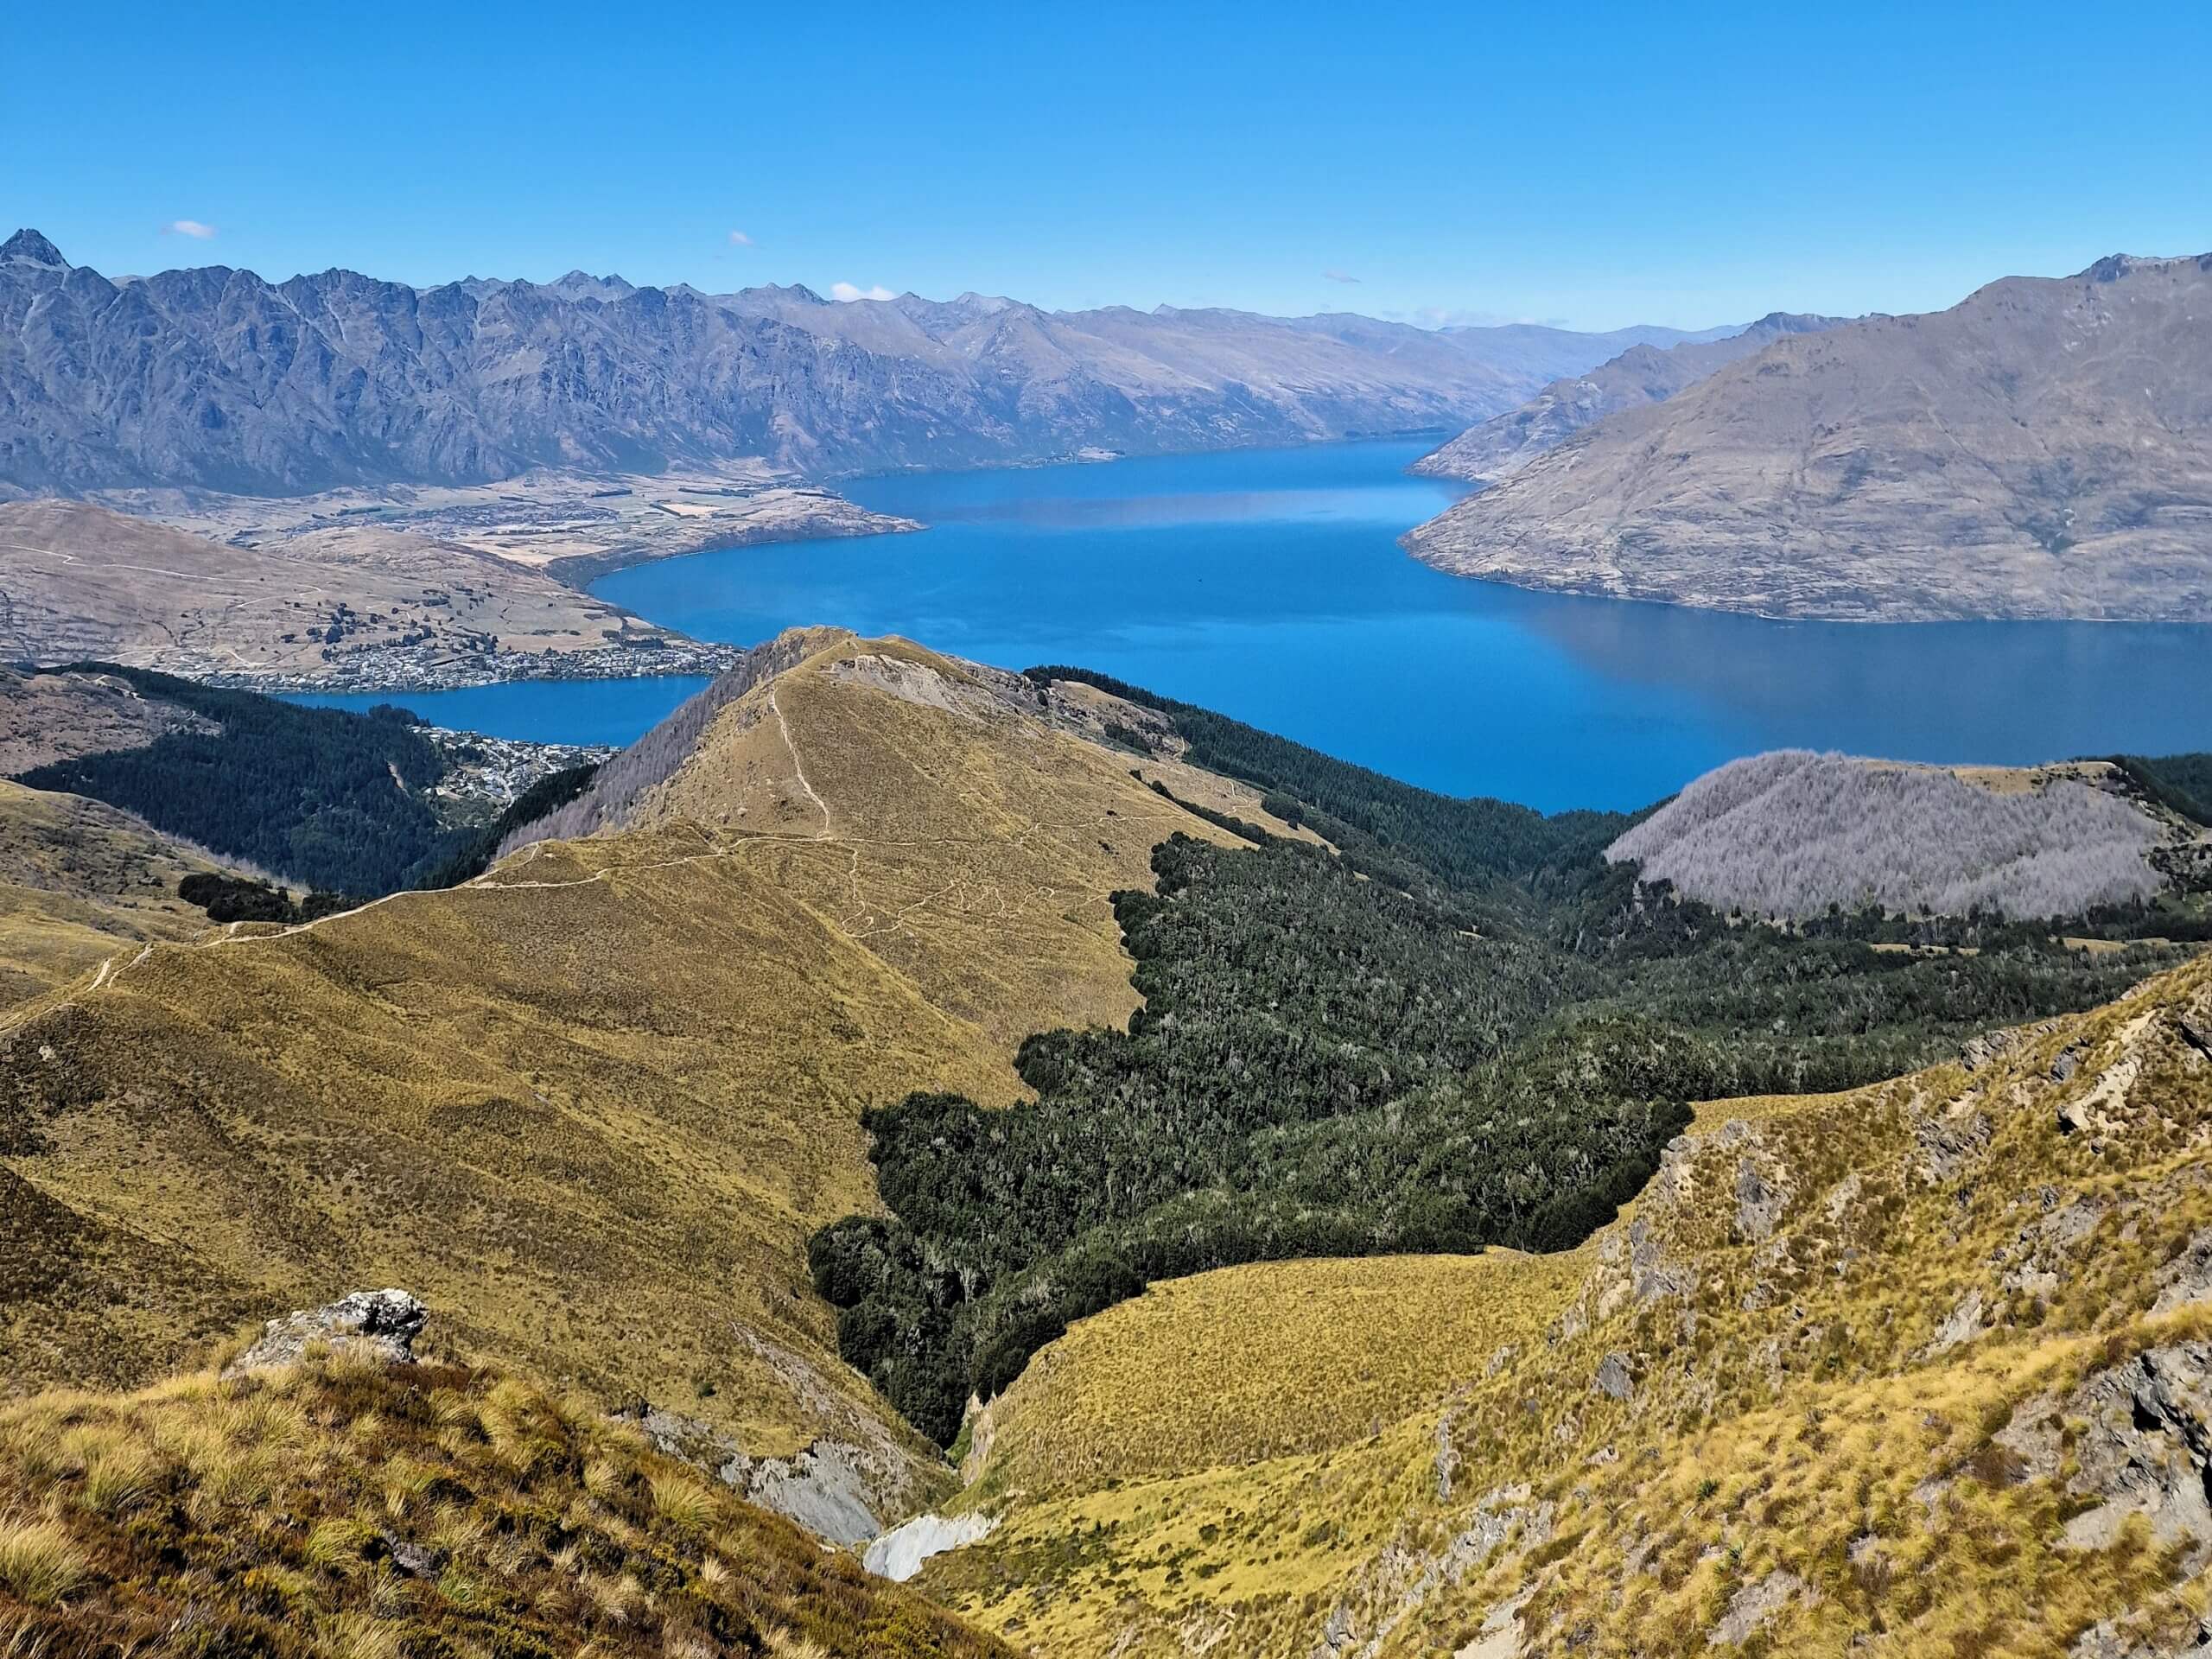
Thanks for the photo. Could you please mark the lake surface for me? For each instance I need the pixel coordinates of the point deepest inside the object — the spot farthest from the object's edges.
(543, 711)
(1268, 584)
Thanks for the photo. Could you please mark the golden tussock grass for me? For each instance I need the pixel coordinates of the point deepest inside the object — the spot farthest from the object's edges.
(40, 1563)
(490, 1556)
(1257, 1362)
(80, 883)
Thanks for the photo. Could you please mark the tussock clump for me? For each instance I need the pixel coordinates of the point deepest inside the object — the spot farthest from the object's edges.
(40, 1563)
(1790, 833)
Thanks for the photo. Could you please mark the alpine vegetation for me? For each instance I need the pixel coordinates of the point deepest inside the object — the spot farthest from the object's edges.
(1791, 833)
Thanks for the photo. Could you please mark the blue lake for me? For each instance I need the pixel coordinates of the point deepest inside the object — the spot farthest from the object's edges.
(1268, 584)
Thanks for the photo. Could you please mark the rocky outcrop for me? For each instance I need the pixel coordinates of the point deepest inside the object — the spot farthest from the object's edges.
(372, 1324)
(2143, 1446)
(898, 1554)
(840, 1490)
(829, 1488)
(1614, 1379)
(1401, 1581)
(1752, 1606)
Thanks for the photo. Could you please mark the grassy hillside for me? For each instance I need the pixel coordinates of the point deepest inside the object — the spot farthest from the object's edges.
(1922, 1363)
(351, 604)
(1249, 1364)
(591, 1106)
(350, 1510)
(1411, 835)
(80, 881)
(48, 717)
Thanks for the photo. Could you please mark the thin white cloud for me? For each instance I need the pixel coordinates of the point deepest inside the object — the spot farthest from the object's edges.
(740, 239)
(1443, 316)
(190, 227)
(1339, 277)
(845, 293)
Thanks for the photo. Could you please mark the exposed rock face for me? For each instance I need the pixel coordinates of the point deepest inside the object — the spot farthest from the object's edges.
(1614, 1379)
(837, 1490)
(1503, 444)
(217, 379)
(2147, 1450)
(2187, 1280)
(827, 1489)
(379, 1324)
(2042, 449)
(1752, 1606)
(898, 1554)
(1400, 1582)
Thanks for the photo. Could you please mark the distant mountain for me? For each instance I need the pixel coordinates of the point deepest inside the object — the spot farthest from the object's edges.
(2042, 449)
(1645, 373)
(1528, 345)
(216, 379)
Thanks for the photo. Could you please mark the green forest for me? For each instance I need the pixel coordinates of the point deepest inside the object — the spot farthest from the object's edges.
(317, 795)
(2182, 782)
(1466, 1030)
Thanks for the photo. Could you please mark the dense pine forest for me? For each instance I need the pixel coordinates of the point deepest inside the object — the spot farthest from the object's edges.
(1462, 1028)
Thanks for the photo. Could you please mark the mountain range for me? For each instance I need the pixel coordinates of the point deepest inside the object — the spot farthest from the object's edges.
(217, 379)
(2043, 450)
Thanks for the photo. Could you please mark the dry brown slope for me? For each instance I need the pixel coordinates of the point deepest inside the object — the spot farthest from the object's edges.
(591, 1106)
(2042, 449)
(81, 582)
(1922, 1368)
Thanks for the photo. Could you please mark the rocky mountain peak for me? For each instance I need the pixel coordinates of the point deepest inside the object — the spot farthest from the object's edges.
(1792, 322)
(30, 247)
(582, 285)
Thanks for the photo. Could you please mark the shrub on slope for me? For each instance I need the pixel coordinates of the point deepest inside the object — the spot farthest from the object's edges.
(1792, 832)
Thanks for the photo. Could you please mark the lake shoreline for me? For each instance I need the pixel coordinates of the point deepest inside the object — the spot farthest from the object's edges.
(1530, 581)
(1269, 585)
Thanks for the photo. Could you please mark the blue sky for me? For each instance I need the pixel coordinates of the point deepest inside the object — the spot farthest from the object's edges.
(1593, 165)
